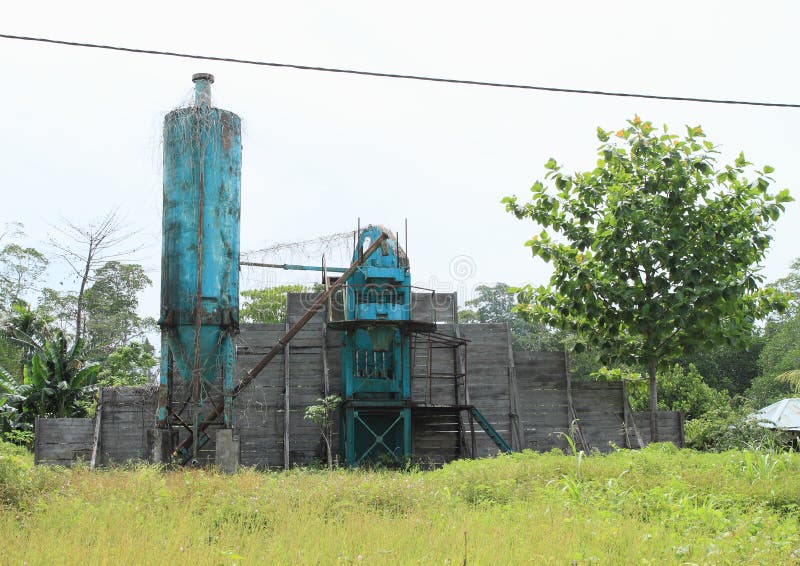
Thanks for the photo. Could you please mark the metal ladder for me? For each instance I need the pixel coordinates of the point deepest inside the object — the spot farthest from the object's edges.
(489, 429)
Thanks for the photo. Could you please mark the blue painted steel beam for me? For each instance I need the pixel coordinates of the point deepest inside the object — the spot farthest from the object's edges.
(290, 266)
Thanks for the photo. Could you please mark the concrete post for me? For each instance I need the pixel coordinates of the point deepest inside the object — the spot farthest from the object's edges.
(228, 450)
(161, 442)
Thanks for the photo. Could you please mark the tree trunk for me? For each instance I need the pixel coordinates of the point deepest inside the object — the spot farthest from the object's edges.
(328, 447)
(84, 280)
(330, 456)
(651, 372)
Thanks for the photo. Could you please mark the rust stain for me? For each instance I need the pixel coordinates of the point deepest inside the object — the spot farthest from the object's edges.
(227, 134)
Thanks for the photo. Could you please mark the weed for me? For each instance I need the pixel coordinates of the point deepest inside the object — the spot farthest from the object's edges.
(658, 505)
(764, 467)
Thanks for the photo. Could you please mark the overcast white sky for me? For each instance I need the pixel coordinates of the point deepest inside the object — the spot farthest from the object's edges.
(82, 127)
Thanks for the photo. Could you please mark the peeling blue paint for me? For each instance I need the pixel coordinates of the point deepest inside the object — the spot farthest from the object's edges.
(200, 249)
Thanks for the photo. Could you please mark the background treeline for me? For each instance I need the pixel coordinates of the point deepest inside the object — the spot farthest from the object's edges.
(59, 345)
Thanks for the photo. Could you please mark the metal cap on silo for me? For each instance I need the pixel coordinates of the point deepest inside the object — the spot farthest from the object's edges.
(202, 77)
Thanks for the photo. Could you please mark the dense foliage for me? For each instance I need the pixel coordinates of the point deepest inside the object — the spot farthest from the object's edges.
(268, 304)
(47, 367)
(683, 390)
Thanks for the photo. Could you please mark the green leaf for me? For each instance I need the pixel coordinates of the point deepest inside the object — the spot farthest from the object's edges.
(783, 196)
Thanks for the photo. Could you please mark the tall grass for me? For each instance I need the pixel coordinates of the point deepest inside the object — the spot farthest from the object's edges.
(658, 505)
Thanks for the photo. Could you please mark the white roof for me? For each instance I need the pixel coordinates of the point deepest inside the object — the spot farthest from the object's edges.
(785, 415)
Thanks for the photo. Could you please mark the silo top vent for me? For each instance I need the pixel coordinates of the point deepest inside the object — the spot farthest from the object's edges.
(202, 88)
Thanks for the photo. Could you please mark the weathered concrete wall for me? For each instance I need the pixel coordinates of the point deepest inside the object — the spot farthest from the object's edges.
(597, 408)
(670, 426)
(126, 414)
(60, 442)
(542, 399)
(260, 411)
(488, 380)
(600, 414)
(524, 395)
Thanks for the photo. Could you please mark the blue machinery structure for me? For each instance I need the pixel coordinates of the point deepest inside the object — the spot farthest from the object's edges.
(199, 308)
(379, 335)
(376, 368)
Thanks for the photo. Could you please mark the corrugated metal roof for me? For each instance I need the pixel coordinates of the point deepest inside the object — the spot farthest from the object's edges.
(785, 415)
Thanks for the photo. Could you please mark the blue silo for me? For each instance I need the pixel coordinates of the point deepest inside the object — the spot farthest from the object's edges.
(199, 262)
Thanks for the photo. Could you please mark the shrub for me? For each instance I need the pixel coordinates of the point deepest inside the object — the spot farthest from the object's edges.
(20, 480)
(724, 429)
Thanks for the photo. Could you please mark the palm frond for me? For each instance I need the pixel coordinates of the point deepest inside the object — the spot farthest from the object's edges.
(791, 377)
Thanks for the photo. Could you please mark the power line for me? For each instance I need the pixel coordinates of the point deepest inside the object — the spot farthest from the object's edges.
(399, 76)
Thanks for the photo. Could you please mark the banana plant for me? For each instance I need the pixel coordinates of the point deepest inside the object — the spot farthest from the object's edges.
(10, 401)
(57, 381)
(26, 329)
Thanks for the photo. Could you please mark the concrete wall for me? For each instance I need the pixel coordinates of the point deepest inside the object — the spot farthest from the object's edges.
(670, 426)
(524, 395)
(598, 409)
(542, 398)
(488, 380)
(60, 442)
(126, 414)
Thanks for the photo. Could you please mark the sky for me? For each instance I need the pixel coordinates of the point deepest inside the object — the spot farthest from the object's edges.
(82, 127)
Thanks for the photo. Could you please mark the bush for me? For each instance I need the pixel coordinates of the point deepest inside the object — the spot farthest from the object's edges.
(684, 391)
(20, 480)
(725, 429)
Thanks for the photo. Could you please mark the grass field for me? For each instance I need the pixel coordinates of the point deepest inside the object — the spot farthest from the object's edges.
(655, 506)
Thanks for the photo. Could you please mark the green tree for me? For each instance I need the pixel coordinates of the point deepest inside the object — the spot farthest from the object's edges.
(23, 330)
(791, 285)
(59, 307)
(20, 268)
(781, 354)
(267, 305)
(658, 250)
(10, 399)
(491, 303)
(497, 303)
(728, 368)
(133, 364)
(110, 307)
(10, 356)
(322, 414)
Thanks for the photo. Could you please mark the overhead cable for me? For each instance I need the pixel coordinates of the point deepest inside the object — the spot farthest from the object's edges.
(401, 76)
